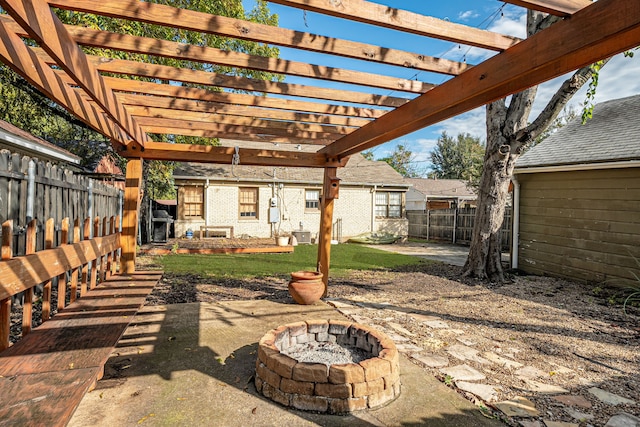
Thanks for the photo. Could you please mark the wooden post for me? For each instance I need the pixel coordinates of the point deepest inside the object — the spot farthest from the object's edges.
(110, 255)
(130, 215)
(74, 272)
(46, 290)
(85, 269)
(103, 259)
(27, 307)
(62, 279)
(329, 193)
(5, 304)
(116, 268)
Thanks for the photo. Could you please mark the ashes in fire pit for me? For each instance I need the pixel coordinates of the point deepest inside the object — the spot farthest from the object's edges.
(328, 366)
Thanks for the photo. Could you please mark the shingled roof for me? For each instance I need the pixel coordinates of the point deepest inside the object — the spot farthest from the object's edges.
(442, 187)
(612, 135)
(358, 171)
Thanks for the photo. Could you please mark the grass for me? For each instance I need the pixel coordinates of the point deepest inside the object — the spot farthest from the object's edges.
(344, 258)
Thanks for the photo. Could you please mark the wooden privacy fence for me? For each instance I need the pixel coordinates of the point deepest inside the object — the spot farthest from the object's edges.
(30, 188)
(452, 225)
(75, 267)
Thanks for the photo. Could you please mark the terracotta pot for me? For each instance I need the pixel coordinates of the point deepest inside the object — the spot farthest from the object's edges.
(306, 287)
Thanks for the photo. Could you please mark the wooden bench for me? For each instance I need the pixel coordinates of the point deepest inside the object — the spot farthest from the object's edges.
(205, 229)
(44, 376)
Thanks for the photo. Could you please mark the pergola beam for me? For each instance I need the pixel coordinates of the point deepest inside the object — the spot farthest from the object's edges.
(402, 20)
(601, 30)
(245, 30)
(26, 63)
(37, 18)
(554, 7)
(224, 155)
(147, 106)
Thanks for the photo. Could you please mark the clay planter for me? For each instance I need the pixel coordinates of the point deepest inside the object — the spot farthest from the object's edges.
(306, 287)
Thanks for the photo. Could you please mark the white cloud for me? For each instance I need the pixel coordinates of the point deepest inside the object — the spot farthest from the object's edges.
(468, 14)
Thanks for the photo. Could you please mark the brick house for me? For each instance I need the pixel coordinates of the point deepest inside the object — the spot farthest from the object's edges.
(261, 201)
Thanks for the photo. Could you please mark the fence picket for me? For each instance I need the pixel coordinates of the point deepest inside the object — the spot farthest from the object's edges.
(62, 278)
(46, 289)
(5, 304)
(27, 305)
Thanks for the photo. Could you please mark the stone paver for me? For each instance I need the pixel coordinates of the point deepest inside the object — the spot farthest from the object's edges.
(610, 398)
(463, 373)
(527, 423)
(437, 324)
(543, 388)
(423, 317)
(573, 400)
(400, 329)
(431, 360)
(397, 338)
(530, 372)
(488, 393)
(548, 423)
(577, 415)
(408, 348)
(467, 340)
(502, 361)
(518, 407)
(623, 420)
(464, 352)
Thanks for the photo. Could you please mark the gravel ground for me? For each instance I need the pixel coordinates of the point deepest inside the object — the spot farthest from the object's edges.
(576, 336)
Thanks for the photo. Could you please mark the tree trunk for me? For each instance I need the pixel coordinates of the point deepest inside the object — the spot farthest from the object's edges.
(508, 135)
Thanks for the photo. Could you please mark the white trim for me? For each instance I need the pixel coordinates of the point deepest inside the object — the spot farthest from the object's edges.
(36, 148)
(579, 167)
(515, 231)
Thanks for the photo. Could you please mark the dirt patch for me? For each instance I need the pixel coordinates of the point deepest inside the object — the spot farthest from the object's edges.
(565, 334)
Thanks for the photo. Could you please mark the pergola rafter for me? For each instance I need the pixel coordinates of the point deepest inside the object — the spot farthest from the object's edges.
(360, 110)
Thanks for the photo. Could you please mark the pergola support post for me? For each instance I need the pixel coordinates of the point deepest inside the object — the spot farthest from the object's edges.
(330, 187)
(130, 215)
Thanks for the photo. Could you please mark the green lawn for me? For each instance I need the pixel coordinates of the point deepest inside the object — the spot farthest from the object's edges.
(344, 258)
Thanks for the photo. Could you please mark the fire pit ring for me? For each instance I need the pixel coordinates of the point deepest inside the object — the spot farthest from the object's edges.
(335, 388)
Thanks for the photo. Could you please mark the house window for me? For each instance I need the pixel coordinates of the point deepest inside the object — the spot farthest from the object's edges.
(312, 199)
(248, 203)
(389, 204)
(192, 202)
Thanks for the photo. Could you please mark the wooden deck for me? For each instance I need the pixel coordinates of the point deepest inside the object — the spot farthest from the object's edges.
(44, 376)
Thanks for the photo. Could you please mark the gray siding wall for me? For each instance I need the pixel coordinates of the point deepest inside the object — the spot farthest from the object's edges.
(581, 225)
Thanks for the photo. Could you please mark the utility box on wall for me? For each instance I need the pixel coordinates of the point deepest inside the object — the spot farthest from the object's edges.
(274, 215)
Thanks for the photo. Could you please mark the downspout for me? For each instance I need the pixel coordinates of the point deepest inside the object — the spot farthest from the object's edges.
(373, 207)
(515, 232)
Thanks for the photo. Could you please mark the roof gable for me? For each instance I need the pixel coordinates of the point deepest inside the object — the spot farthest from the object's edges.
(613, 134)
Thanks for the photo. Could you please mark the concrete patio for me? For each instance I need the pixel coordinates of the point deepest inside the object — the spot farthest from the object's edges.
(193, 365)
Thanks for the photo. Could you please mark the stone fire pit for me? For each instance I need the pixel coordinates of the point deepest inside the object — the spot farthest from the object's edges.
(330, 366)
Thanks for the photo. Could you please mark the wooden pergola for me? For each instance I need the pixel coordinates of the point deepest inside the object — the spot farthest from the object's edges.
(97, 90)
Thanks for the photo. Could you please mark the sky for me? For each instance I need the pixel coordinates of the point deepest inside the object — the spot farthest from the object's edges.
(618, 79)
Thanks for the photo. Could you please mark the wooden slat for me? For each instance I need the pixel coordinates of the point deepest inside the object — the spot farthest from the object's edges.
(603, 29)
(169, 49)
(94, 264)
(121, 66)
(110, 255)
(402, 20)
(84, 273)
(145, 106)
(190, 119)
(101, 227)
(215, 154)
(27, 305)
(5, 301)
(553, 7)
(235, 125)
(62, 277)
(37, 18)
(240, 29)
(234, 103)
(257, 135)
(26, 63)
(19, 274)
(46, 293)
(75, 271)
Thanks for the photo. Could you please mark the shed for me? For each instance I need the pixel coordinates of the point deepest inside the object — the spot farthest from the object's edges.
(579, 198)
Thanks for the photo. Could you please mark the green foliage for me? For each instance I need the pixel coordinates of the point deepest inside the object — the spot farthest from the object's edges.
(402, 160)
(458, 158)
(368, 155)
(344, 258)
(590, 97)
